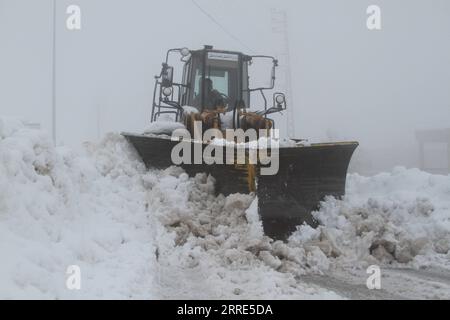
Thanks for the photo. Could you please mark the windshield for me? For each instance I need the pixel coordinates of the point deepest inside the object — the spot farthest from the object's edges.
(220, 85)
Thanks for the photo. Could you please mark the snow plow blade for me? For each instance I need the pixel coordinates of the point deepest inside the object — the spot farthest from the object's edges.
(307, 174)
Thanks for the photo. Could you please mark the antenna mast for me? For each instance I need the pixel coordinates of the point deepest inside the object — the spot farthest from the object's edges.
(54, 75)
(280, 28)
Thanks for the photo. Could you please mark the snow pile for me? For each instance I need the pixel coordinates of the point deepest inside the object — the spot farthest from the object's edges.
(397, 218)
(134, 233)
(8, 126)
(214, 247)
(58, 209)
(160, 234)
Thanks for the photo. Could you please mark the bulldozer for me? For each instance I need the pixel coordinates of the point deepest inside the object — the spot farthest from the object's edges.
(215, 90)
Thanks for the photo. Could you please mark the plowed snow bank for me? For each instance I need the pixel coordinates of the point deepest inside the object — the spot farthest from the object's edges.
(399, 217)
(160, 234)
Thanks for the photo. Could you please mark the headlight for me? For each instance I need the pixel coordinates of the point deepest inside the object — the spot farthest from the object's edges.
(280, 99)
(185, 52)
(167, 91)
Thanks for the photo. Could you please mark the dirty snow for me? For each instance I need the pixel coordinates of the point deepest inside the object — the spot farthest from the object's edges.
(139, 234)
(391, 218)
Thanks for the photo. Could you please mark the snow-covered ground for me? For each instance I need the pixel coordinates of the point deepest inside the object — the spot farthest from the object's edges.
(160, 234)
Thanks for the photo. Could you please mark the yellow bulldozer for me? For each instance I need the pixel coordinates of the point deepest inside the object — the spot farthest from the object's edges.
(215, 91)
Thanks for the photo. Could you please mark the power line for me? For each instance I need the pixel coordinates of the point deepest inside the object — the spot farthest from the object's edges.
(221, 26)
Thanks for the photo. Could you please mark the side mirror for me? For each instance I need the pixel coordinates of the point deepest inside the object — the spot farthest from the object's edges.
(185, 52)
(279, 101)
(167, 76)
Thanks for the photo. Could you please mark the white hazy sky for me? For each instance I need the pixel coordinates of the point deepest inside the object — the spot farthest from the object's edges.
(375, 87)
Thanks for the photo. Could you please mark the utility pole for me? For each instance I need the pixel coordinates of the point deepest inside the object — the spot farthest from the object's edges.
(280, 28)
(54, 76)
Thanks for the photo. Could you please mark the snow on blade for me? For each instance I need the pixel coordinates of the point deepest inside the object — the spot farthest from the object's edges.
(163, 127)
(190, 110)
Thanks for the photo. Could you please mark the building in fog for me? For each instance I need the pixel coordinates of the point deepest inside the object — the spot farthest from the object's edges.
(434, 150)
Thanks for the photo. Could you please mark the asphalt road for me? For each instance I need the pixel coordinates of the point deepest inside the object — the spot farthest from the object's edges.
(396, 283)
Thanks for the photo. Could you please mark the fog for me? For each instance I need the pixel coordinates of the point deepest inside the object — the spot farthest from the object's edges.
(348, 83)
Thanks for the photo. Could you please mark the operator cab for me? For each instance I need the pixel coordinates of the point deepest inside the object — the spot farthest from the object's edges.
(216, 80)
(212, 80)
